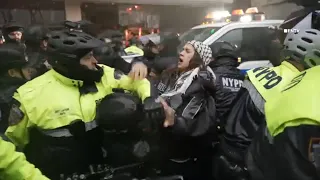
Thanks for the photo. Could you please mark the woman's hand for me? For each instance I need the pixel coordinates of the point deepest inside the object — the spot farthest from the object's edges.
(138, 71)
(169, 112)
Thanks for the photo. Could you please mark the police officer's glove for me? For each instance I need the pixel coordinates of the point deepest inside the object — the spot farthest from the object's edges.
(154, 113)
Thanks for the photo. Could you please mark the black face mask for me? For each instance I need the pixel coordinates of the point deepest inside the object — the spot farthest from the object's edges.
(81, 73)
(90, 76)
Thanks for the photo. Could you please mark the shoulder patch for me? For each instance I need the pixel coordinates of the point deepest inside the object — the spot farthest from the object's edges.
(118, 74)
(15, 116)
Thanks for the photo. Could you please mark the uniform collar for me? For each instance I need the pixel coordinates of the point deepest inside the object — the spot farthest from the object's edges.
(67, 81)
(290, 66)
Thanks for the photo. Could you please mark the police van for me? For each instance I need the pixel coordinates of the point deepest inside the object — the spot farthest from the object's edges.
(250, 36)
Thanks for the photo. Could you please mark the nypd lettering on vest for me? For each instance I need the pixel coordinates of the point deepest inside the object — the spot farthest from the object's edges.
(268, 75)
(232, 84)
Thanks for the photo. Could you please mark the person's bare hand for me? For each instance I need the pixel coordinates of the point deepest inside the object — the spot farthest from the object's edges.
(170, 114)
(138, 71)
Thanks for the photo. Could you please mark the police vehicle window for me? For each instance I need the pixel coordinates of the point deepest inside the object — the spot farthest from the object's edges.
(233, 36)
(255, 44)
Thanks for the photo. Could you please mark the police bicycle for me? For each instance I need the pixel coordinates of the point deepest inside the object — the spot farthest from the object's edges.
(105, 172)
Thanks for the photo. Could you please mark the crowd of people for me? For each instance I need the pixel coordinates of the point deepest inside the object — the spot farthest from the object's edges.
(69, 102)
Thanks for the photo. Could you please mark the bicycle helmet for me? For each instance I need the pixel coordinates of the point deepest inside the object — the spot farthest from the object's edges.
(33, 35)
(66, 48)
(118, 111)
(12, 56)
(223, 49)
(303, 44)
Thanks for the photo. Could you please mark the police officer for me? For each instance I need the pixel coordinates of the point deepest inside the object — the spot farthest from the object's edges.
(228, 77)
(133, 48)
(14, 165)
(35, 38)
(12, 32)
(14, 72)
(286, 146)
(261, 84)
(120, 127)
(53, 118)
(116, 40)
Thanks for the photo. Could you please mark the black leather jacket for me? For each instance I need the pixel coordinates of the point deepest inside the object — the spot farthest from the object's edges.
(228, 83)
(195, 115)
(8, 86)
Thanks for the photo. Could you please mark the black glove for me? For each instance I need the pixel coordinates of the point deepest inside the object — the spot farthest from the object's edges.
(153, 113)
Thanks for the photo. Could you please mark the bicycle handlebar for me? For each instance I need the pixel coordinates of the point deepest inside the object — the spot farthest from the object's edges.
(105, 172)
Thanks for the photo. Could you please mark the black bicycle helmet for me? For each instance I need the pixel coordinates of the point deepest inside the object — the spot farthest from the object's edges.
(10, 27)
(118, 111)
(66, 48)
(71, 45)
(12, 56)
(224, 49)
(33, 35)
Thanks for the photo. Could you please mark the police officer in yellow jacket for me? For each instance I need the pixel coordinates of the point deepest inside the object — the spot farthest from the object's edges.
(133, 48)
(53, 117)
(13, 73)
(247, 114)
(287, 145)
(14, 165)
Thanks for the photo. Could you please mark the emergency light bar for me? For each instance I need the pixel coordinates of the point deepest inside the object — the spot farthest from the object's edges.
(237, 12)
(252, 10)
(218, 15)
(250, 14)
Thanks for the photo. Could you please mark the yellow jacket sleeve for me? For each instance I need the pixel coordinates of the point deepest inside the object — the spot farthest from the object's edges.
(18, 130)
(141, 87)
(13, 165)
(116, 79)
